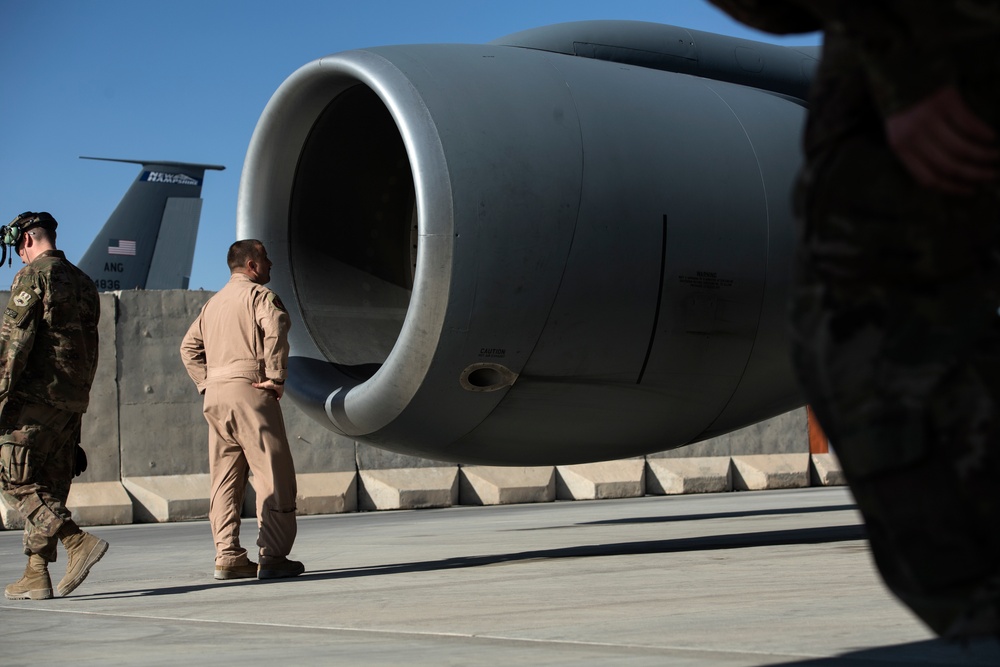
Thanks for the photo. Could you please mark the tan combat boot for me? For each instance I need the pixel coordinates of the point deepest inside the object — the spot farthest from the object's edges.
(84, 550)
(34, 585)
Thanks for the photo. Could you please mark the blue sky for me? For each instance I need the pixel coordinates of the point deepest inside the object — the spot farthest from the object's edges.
(186, 80)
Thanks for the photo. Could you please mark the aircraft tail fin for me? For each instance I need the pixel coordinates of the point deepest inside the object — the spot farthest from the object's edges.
(148, 242)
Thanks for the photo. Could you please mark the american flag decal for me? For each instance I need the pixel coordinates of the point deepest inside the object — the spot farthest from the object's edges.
(121, 247)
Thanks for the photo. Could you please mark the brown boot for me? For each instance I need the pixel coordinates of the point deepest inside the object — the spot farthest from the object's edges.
(279, 568)
(84, 550)
(34, 585)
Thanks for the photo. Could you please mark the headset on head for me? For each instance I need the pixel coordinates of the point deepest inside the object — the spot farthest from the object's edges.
(12, 232)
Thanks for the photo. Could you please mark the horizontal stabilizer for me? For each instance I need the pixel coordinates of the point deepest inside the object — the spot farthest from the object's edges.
(160, 163)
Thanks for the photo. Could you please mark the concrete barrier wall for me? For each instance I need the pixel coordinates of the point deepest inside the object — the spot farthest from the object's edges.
(146, 440)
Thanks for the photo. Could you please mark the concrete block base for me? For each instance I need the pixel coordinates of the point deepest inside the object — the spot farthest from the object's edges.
(326, 492)
(607, 479)
(770, 471)
(100, 504)
(169, 497)
(704, 474)
(497, 485)
(826, 471)
(407, 488)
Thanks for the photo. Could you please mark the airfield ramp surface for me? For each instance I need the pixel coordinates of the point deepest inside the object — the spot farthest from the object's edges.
(731, 579)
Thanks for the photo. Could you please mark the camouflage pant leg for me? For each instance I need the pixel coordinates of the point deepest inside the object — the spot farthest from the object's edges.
(896, 339)
(36, 469)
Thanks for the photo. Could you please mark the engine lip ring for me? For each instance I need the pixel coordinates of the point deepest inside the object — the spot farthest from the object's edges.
(265, 195)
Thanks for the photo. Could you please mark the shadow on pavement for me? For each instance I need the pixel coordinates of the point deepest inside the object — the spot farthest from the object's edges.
(800, 536)
(930, 652)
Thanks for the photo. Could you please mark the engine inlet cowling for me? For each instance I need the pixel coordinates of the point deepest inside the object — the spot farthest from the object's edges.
(504, 255)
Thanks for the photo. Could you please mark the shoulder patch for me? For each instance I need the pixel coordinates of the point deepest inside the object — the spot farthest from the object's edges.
(23, 300)
(276, 302)
(21, 304)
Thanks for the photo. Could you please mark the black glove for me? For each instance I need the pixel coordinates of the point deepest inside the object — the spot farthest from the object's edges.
(80, 462)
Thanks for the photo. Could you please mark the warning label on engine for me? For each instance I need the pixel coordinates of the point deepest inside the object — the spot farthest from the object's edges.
(705, 280)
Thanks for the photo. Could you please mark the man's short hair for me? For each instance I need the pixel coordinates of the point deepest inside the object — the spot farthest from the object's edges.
(243, 251)
(43, 233)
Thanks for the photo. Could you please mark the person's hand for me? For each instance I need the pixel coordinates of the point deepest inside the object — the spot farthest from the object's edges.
(278, 389)
(944, 144)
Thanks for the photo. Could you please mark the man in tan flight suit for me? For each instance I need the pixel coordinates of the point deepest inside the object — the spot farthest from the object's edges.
(237, 354)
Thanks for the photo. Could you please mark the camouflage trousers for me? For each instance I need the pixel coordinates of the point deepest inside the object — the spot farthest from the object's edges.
(896, 340)
(37, 454)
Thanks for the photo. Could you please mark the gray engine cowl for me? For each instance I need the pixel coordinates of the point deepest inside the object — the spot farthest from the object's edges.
(509, 255)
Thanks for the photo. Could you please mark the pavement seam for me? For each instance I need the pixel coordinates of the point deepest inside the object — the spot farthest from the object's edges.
(425, 633)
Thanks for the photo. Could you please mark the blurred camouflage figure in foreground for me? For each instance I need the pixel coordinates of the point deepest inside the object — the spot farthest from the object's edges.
(894, 311)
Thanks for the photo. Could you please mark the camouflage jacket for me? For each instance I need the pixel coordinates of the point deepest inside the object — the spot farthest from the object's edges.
(48, 340)
(882, 56)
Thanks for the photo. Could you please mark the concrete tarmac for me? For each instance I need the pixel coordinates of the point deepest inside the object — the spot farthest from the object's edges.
(729, 579)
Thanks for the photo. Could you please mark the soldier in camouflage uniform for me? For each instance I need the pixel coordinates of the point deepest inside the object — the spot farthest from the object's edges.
(895, 326)
(48, 355)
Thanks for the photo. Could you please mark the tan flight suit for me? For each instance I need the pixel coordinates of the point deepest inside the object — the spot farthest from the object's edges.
(241, 337)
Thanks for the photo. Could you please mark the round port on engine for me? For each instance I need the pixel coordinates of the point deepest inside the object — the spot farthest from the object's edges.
(486, 377)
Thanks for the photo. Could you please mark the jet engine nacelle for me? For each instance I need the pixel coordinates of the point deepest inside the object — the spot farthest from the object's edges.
(548, 249)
